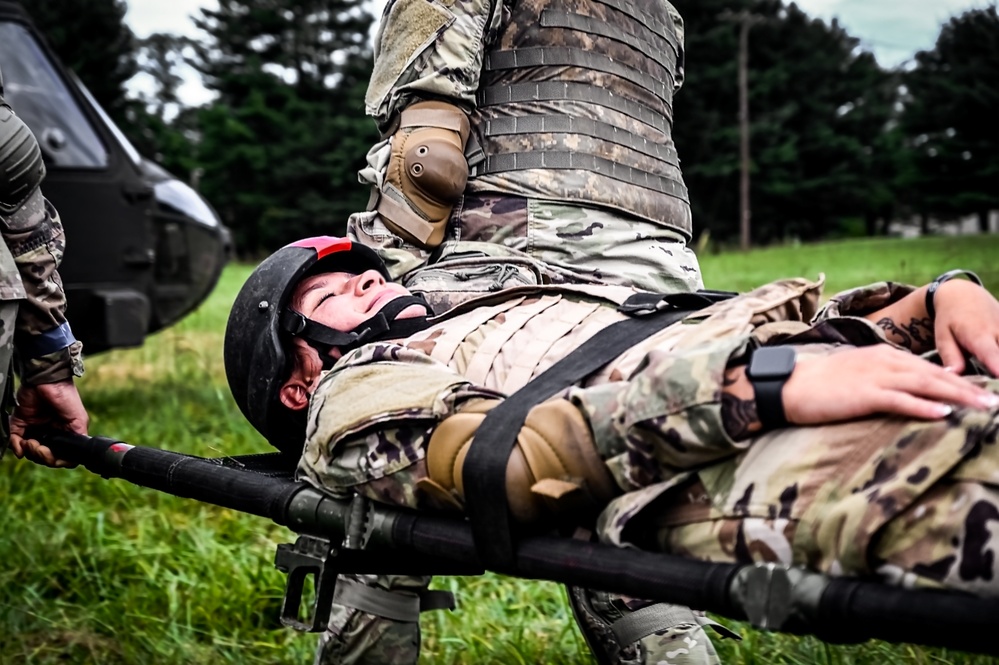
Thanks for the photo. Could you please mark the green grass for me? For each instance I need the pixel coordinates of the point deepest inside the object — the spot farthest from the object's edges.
(102, 572)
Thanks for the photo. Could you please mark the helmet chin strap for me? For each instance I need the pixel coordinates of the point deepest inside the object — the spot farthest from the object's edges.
(381, 326)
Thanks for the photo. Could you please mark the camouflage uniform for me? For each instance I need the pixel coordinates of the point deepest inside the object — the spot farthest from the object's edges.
(909, 500)
(32, 301)
(499, 344)
(592, 91)
(594, 96)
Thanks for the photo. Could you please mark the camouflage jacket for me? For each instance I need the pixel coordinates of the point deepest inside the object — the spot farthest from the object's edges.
(33, 245)
(373, 413)
(46, 351)
(566, 103)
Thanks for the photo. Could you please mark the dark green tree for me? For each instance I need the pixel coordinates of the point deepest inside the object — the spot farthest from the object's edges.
(950, 119)
(161, 127)
(818, 108)
(281, 146)
(160, 56)
(91, 38)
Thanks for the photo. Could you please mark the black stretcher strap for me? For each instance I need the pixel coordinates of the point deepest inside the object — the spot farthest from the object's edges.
(484, 471)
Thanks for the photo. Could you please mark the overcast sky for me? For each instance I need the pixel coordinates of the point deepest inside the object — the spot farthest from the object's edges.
(893, 29)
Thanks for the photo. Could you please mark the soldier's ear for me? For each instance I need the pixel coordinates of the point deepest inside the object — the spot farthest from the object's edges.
(294, 394)
(305, 371)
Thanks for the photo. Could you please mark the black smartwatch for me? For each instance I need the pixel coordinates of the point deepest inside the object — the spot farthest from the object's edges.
(769, 369)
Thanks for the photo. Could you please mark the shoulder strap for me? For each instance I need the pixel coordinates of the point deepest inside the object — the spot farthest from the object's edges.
(484, 472)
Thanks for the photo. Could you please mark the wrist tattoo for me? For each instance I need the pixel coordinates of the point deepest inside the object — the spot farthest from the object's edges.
(739, 416)
(917, 335)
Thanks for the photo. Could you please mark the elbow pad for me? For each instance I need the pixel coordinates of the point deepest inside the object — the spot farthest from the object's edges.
(426, 172)
(21, 165)
(554, 469)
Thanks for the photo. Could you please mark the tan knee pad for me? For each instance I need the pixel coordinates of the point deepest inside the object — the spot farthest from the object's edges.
(426, 173)
(554, 468)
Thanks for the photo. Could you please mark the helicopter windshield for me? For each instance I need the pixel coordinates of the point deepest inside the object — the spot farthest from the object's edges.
(126, 145)
(39, 95)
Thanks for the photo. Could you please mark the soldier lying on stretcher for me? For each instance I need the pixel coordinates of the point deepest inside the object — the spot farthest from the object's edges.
(855, 456)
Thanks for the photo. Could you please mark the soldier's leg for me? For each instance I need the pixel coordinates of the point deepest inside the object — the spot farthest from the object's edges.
(915, 502)
(8, 316)
(589, 245)
(612, 247)
(627, 631)
(376, 620)
(946, 538)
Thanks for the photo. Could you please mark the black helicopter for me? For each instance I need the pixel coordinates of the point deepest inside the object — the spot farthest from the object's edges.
(144, 248)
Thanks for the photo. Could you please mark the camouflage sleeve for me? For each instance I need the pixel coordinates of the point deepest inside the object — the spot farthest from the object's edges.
(429, 49)
(863, 300)
(371, 418)
(667, 417)
(46, 350)
(841, 320)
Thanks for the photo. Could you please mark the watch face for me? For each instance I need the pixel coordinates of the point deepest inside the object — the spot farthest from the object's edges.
(772, 362)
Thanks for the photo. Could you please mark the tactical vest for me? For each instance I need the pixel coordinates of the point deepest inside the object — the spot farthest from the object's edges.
(576, 105)
(502, 341)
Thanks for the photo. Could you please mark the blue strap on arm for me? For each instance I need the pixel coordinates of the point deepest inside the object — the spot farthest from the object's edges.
(50, 341)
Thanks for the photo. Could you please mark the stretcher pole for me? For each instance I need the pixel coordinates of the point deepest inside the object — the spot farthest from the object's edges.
(771, 597)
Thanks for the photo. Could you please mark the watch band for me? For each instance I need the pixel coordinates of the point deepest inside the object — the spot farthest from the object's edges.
(769, 403)
(931, 292)
(769, 369)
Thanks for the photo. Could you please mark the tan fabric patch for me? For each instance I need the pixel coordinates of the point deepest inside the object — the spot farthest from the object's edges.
(409, 28)
(364, 395)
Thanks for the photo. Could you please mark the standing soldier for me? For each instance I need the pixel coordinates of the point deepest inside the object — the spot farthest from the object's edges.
(34, 334)
(544, 128)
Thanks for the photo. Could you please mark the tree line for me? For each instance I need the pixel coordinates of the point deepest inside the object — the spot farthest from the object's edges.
(839, 144)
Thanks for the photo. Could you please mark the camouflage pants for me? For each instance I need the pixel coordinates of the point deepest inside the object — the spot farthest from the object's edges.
(588, 245)
(354, 637)
(591, 244)
(8, 316)
(915, 503)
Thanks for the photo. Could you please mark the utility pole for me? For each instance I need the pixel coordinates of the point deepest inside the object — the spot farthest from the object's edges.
(745, 21)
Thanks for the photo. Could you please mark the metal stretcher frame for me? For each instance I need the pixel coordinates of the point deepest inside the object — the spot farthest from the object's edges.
(770, 597)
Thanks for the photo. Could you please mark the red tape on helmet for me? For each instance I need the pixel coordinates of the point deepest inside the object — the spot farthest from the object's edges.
(324, 245)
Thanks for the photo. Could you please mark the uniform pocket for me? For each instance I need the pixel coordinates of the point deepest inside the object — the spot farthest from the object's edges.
(458, 278)
(409, 29)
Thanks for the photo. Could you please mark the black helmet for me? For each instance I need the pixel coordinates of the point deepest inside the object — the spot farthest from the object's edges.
(261, 324)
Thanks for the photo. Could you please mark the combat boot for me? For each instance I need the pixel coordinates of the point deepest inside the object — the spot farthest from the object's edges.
(625, 631)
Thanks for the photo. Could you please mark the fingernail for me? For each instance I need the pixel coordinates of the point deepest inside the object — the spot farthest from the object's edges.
(949, 368)
(989, 401)
(944, 410)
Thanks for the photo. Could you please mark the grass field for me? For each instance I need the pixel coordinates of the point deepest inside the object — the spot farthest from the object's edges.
(102, 572)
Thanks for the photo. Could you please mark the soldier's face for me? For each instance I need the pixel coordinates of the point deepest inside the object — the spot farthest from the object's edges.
(344, 301)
